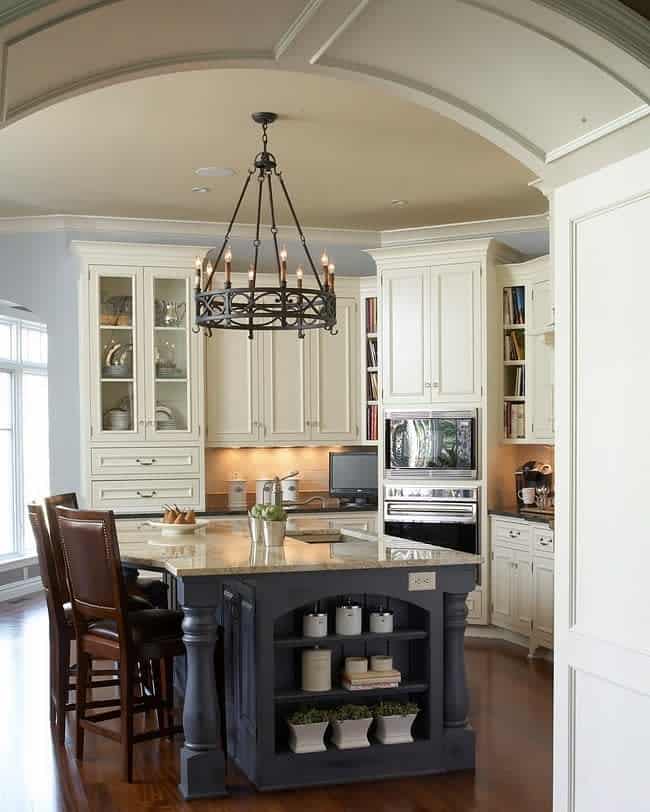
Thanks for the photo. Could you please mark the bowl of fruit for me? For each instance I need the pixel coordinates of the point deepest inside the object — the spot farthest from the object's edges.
(176, 521)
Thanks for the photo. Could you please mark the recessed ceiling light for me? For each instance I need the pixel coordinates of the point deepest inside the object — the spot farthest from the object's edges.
(201, 189)
(214, 171)
(399, 203)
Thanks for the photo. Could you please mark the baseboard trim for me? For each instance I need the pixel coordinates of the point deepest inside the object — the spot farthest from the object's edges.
(10, 592)
(495, 633)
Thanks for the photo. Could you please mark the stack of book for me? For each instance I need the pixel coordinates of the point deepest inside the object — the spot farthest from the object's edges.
(373, 386)
(369, 680)
(514, 305)
(372, 422)
(514, 420)
(371, 315)
(372, 352)
(514, 346)
(519, 382)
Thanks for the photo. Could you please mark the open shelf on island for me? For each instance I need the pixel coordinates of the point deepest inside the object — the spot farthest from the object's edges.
(305, 642)
(342, 693)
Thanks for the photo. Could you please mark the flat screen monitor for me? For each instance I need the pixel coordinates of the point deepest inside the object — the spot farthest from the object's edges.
(353, 475)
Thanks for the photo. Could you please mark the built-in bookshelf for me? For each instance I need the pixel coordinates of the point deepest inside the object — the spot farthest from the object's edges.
(370, 366)
(514, 362)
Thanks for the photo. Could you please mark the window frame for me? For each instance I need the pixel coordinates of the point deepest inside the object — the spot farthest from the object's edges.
(17, 368)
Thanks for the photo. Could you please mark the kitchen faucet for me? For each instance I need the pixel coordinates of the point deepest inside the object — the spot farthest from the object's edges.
(275, 487)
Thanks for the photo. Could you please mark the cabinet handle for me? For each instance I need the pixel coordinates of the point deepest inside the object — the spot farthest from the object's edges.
(514, 534)
(142, 422)
(435, 385)
(145, 462)
(427, 385)
(146, 495)
(544, 542)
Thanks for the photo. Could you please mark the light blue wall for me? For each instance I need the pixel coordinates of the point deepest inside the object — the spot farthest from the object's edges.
(37, 270)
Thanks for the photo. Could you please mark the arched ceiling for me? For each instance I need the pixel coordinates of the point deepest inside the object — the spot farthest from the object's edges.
(542, 79)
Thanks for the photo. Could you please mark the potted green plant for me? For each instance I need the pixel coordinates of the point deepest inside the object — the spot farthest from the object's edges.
(307, 728)
(274, 525)
(395, 721)
(350, 726)
(255, 523)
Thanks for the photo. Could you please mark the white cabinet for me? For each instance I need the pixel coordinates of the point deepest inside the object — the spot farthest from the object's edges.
(431, 334)
(522, 580)
(541, 305)
(542, 353)
(141, 378)
(279, 389)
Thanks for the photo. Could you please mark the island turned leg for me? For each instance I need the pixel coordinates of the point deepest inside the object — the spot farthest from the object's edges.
(202, 766)
(456, 693)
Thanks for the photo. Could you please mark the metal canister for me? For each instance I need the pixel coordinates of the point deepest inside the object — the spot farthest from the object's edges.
(348, 618)
(314, 624)
(381, 621)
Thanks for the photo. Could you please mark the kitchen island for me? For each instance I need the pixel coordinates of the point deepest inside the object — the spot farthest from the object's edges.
(258, 595)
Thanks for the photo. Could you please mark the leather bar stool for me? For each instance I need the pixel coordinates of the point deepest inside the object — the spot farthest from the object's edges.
(62, 632)
(107, 630)
(150, 593)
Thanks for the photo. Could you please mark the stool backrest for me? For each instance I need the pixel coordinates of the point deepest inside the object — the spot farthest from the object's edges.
(68, 500)
(47, 566)
(93, 567)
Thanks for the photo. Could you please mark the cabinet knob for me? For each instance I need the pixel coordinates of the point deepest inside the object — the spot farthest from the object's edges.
(435, 385)
(427, 385)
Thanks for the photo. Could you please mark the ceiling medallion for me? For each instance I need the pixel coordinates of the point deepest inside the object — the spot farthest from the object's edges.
(278, 307)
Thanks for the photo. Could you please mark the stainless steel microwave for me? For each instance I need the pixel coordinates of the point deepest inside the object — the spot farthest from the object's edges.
(431, 444)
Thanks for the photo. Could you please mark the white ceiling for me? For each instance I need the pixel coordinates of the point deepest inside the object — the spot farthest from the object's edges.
(346, 151)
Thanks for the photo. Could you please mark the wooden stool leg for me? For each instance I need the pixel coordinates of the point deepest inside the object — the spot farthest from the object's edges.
(127, 687)
(167, 685)
(83, 667)
(157, 691)
(62, 682)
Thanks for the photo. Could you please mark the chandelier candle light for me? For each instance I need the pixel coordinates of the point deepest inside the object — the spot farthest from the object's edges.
(252, 308)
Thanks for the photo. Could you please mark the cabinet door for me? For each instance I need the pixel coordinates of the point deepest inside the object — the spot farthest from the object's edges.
(117, 380)
(522, 593)
(502, 587)
(172, 352)
(543, 386)
(334, 379)
(542, 309)
(543, 597)
(456, 333)
(285, 396)
(232, 375)
(406, 345)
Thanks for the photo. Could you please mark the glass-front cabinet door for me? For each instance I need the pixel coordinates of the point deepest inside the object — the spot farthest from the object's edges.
(171, 355)
(115, 324)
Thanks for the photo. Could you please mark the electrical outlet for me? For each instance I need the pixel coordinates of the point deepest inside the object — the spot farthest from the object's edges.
(421, 581)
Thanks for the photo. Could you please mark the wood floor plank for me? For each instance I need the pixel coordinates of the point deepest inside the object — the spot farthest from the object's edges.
(511, 712)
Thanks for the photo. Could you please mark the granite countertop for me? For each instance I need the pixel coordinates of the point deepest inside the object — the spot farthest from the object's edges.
(223, 549)
(514, 512)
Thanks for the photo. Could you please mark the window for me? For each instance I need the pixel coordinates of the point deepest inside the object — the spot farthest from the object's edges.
(24, 438)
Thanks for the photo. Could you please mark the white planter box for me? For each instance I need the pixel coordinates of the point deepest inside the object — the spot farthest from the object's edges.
(351, 733)
(307, 738)
(395, 729)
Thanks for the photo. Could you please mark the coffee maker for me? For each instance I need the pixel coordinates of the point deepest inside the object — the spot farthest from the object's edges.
(538, 475)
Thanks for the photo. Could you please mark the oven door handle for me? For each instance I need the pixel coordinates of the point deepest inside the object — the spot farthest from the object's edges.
(431, 514)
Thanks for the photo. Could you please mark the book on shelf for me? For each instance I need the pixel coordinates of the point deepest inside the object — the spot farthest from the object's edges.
(372, 421)
(373, 385)
(370, 680)
(355, 687)
(371, 315)
(514, 421)
(514, 346)
(371, 355)
(514, 305)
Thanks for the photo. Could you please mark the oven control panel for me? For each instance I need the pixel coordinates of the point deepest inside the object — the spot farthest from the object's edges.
(429, 494)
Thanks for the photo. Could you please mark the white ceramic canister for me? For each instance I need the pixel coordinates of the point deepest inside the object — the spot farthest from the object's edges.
(356, 665)
(348, 618)
(314, 624)
(290, 489)
(381, 662)
(381, 621)
(316, 669)
(236, 493)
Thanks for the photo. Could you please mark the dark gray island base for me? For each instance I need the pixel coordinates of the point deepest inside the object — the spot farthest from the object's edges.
(261, 616)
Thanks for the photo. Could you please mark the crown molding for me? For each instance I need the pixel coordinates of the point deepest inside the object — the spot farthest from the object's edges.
(22, 9)
(411, 255)
(464, 231)
(610, 19)
(199, 229)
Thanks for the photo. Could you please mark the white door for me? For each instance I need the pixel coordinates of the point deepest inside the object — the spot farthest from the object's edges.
(455, 333)
(602, 555)
(116, 358)
(171, 356)
(335, 378)
(502, 586)
(285, 388)
(406, 345)
(232, 375)
(542, 365)
(522, 604)
(543, 597)
(541, 301)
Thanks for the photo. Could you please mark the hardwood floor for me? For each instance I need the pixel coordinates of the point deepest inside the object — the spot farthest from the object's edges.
(511, 711)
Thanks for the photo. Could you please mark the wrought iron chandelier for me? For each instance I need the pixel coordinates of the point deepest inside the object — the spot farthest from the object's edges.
(252, 308)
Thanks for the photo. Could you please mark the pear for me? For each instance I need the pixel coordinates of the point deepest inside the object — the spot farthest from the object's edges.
(190, 517)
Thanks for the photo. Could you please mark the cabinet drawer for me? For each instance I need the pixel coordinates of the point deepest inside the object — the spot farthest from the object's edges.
(147, 495)
(543, 540)
(515, 534)
(474, 605)
(141, 461)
